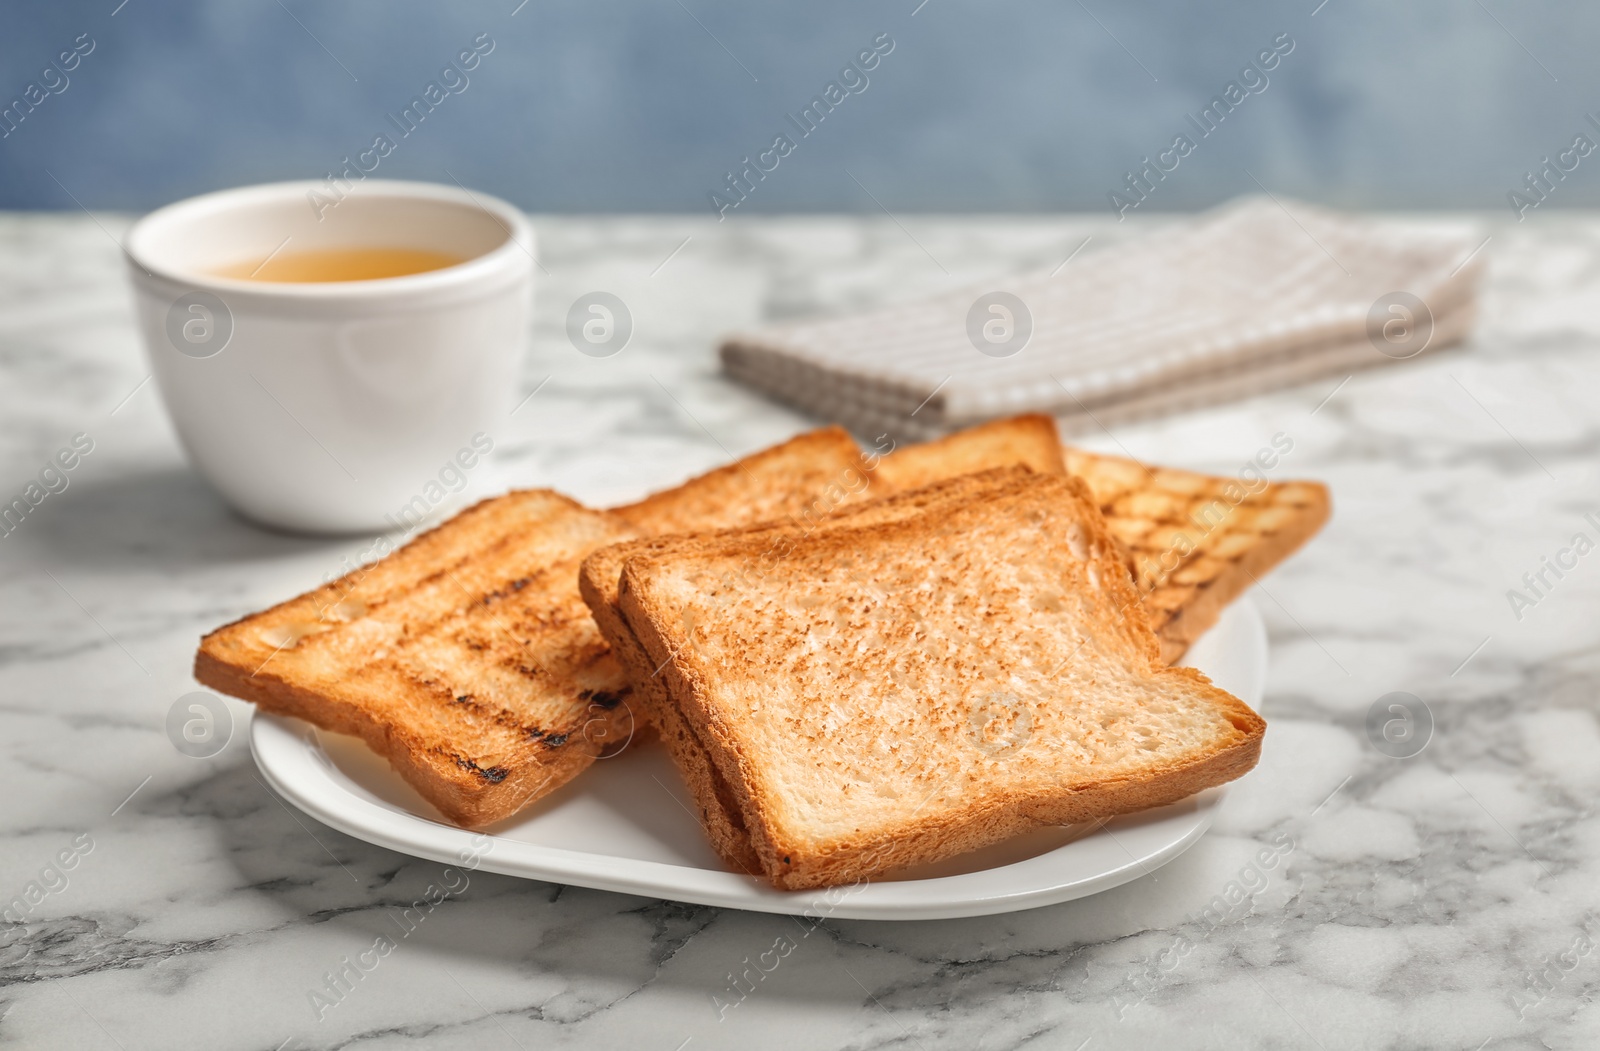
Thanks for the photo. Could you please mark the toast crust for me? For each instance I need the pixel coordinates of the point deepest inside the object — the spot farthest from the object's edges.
(714, 803)
(465, 658)
(791, 856)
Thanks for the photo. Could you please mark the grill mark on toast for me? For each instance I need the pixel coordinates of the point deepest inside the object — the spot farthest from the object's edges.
(607, 699)
(478, 554)
(493, 774)
(512, 587)
(500, 716)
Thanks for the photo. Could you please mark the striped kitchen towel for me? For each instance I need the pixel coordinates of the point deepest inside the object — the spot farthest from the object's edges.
(1252, 296)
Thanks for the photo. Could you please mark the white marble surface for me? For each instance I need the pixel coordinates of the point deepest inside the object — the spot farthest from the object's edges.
(1413, 901)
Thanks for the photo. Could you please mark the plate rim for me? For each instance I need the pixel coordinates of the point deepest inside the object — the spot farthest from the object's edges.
(296, 767)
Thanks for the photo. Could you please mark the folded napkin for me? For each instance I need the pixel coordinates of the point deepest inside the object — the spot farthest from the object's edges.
(1252, 296)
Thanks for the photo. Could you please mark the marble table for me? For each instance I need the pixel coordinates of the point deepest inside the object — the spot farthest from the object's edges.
(1446, 900)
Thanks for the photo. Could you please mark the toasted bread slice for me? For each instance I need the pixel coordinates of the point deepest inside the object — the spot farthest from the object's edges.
(903, 691)
(481, 723)
(1031, 441)
(599, 583)
(805, 476)
(466, 658)
(1195, 542)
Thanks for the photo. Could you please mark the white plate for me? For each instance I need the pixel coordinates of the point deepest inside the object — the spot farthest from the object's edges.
(625, 824)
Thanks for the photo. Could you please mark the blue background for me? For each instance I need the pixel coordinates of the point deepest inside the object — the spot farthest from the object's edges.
(633, 106)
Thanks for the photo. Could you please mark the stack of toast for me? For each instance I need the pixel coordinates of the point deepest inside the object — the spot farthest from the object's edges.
(858, 661)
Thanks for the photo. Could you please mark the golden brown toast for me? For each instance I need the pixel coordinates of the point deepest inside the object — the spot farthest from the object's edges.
(796, 485)
(1195, 542)
(897, 688)
(466, 658)
(599, 583)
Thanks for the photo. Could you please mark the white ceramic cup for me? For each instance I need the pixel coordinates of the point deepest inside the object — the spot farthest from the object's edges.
(334, 407)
